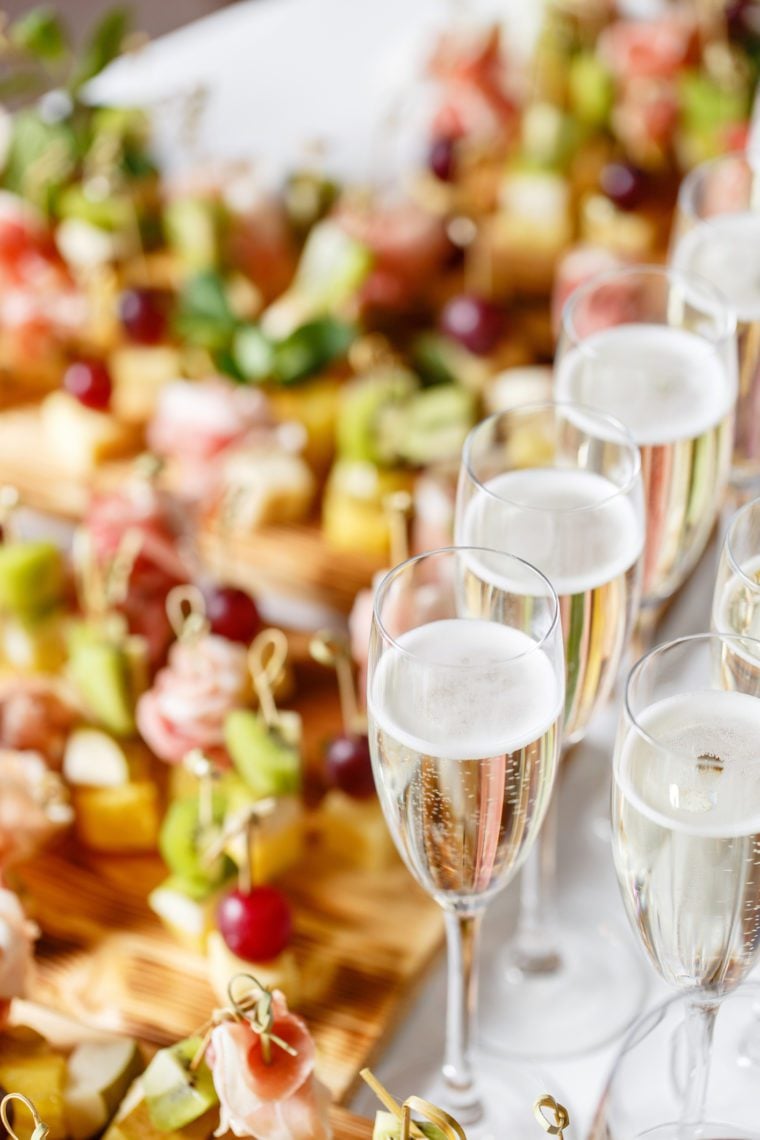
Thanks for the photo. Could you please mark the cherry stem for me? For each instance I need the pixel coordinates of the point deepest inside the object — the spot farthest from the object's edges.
(246, 873)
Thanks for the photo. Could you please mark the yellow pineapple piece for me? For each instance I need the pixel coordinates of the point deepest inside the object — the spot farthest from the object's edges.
(278, 842)
(29, 1066)
(132, 1121)
(123, 819)
(138, 373)
(627, 232)
(315, 406)
(354, 831)
(281, 973)
(354, 517)
(34, 647)
(80, 438)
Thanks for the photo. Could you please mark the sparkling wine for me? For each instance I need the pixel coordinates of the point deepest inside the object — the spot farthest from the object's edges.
(676, 396)
(584, 535)
(465, 752)
(725, 250)
(686, 835)
(736, 609)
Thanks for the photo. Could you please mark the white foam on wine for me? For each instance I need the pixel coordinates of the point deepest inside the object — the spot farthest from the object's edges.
(663, 383)
(573, 525)
(666, 782)
(725, 250)
(464, 689)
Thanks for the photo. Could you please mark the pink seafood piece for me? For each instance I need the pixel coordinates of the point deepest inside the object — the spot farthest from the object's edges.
(32, 805)
(727, 187)
(575, 268)
(139, 508)
(649, 49)
(35, 716)
(196, 420)
(645, 119)
(190, 698)
(17, 937)
(409, 244)
(282, 1100)
(474, 73)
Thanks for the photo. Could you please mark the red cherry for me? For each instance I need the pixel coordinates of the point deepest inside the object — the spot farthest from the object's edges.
(442, 158)
(90, 383)
(143, 316)
(349, 765)
(624, 184)
(256, 925)
(232, 613)
(474, 322)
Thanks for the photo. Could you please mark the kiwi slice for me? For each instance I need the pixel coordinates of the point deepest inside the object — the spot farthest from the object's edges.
(267, 764)
(363, 404)
(182, 842)
(388, 1127)
(175, 1096)
(99, 1074)
(31, 577)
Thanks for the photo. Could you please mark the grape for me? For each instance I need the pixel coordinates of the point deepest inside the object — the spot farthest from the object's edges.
(442, 158)
(89, 382)
(232, 613)
(474, 322)
(256, 924)
(624, 184)
(142, 314)
(349, 766)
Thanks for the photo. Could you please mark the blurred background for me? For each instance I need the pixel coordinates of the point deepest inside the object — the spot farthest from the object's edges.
(151, 17)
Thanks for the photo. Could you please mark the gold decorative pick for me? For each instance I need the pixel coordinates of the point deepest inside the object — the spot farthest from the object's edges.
(148, 466)
(247, 823)
(199, 765)
(40, 1128)
(122, 564)
(186, 611)
(398, 508)
(332, 649)
(388, 1102)
(90, 585)
(266, 661)
(447, 1124)
(258, 1012)
(373, 350)
(560, 1116)
(10, 500)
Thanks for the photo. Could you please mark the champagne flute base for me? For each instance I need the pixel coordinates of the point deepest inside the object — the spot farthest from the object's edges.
(592, 996)
(508, 1092)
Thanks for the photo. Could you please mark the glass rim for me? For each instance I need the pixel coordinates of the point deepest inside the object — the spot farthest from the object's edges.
(396, 572)
(724, 312)
(695, 177)
(738, 517)
(626, 440)
(736, 639)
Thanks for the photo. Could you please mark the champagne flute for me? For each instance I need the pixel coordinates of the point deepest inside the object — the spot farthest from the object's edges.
(716, 234)
(560, 485)
(657, 348)
(464, 699)
(686, 829)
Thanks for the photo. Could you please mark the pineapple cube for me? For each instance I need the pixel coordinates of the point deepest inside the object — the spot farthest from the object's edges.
(315, 406)
(278, 842)
(187, 910)
(138, 373)
(263, 485)
(132, 1121)
(281, 973)
(81, 438)
(29, 1066)
(354, 831)
(123, 819)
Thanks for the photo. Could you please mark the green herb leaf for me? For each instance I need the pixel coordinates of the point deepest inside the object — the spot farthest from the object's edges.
(106, 43)
(42, 157)
(41, 34)
(254, 353)
(310, 348)
(205, 317)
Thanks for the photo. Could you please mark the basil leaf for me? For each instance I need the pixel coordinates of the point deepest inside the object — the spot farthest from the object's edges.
(205, 317)
(41, 33)
(309, 348)
(106, 43)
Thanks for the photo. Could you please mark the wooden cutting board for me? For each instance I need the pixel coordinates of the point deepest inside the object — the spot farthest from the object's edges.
(362, 939)
(65, 1033)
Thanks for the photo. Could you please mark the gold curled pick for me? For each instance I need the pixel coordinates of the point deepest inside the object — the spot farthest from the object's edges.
(198, 764)
(122, 564)
(40, 1128)
(257, 1011)
(561, 1119)
(266, 660)
(447, 1124)
(331, 649)
(397, 508)
(186, 611)
(91, 588)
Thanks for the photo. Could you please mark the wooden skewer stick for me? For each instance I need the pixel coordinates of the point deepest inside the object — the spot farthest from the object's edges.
(387, 1100)
(331, 649)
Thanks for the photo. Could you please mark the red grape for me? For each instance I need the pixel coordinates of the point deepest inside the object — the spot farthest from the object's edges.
(142, 315)
(89, 382)
(349, 766)
(624, 184)
(232, 613)
(256, 925)
(442, 158)
(473, 321)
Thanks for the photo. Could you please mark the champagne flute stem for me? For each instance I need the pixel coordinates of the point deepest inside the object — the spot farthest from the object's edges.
(700, 1026)
(535, 950)
(462, 940)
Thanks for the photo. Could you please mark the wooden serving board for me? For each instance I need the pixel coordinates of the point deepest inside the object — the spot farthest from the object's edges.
(292, 559)
(362, 939)
(65, 1033)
